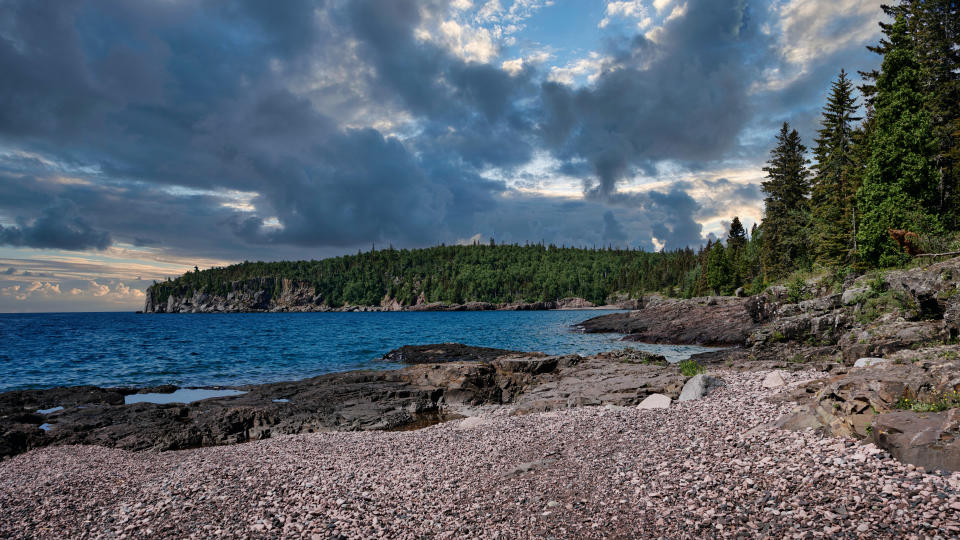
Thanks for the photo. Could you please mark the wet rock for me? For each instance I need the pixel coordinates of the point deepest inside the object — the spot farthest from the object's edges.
(447, 352)
(699, 386)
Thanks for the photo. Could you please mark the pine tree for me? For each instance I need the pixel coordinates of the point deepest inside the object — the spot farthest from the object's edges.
(933, 27)
(719, 272)
(737, 235)
(787, 214)
(900, 188)
(833, 197)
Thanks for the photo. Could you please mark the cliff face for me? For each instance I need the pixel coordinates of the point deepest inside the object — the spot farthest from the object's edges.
(259, 294)
(269, 294)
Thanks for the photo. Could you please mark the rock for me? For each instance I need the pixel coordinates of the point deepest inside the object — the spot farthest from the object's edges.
(869, 361)
(774, 379)
(704, 321)
(928, 440)
(473, 422)
(447, 352)
(854, 295)
(655, 401)
(699, 386)
(459, 379)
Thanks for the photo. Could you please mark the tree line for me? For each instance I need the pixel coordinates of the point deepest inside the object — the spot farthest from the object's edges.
(896, 168)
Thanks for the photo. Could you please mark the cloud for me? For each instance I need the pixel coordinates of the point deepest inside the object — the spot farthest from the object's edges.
(58, 227)
(32, 289)
(623, 9)
(187, 133)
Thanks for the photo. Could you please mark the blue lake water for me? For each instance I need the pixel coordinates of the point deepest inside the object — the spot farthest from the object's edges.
(127, 349)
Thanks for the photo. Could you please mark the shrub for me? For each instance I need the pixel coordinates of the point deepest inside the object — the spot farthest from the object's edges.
(689, 368)
(940, 402)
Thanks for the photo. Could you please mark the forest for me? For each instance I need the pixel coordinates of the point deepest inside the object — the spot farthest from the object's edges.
(885, 167)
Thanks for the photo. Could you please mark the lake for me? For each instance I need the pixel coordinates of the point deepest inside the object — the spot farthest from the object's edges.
(127, 349)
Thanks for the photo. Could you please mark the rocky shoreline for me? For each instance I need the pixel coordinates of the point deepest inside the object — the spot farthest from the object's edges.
(441, 382)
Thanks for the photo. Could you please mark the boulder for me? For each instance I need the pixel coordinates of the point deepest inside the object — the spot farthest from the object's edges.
(869, 361)
(928, 440)
(774, 379)
(699, 386)
(655, 401)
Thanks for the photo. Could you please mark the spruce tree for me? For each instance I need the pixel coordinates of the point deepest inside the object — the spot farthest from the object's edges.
(900, 188)
(832, 201)
(933, 27)
(786, 207)
(737, 235)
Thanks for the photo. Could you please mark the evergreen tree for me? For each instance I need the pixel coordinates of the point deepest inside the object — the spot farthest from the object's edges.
(785, 238)
(719, 273)
(737, 235)
(833, 197)
(933, 27)
(900, 187)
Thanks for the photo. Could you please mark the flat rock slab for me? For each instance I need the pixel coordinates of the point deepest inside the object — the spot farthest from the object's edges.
(448, 352)
(869, 361)
(928, 440)
(699, 321)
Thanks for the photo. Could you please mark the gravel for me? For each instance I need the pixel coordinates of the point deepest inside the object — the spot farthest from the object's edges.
(701, 468)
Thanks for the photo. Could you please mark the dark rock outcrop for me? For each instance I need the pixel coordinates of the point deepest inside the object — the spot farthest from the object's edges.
(927, 439)
(704, 321)
(459, 378)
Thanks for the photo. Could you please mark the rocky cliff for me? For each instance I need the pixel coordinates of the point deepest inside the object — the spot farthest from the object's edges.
(268, 294)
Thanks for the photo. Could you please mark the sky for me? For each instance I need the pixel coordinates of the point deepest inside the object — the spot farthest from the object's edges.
(141, 139)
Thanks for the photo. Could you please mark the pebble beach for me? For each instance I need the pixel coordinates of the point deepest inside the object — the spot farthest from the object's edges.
(703, 468)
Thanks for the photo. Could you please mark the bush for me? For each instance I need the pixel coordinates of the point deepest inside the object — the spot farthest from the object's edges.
(940, 402)
(689, 368)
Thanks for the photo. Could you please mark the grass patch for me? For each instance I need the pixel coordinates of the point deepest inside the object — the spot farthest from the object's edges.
(689, 368)
(885, 302)
(941, 402)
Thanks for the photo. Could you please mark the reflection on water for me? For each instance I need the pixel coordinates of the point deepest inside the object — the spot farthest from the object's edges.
(182, 395)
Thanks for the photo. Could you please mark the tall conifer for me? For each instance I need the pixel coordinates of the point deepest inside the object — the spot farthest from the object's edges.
(900, 188)
(833, 203)
(787, 214)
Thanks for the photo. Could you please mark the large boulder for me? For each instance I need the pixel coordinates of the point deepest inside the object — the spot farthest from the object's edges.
(699, 386)
(655, 401)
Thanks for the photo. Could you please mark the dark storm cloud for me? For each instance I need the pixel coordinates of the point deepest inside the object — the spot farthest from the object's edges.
(683, 98)
(612, 230)
(58, 227)
(145, 115)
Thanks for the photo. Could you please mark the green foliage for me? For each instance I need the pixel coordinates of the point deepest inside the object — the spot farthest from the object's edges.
(939, 402)
(689, 368)
(455, 274)
(835, 184)
(876, 304)
(797, 290)
(899, 188)
(787, 215)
